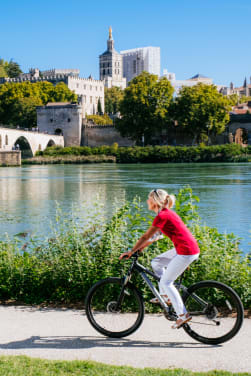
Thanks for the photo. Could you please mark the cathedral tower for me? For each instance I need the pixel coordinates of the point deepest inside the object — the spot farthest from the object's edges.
(111, 65)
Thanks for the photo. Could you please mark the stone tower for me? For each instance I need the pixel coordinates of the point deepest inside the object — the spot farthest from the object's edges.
(111, 65)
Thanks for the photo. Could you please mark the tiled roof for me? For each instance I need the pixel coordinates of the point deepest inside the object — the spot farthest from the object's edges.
(57, 104)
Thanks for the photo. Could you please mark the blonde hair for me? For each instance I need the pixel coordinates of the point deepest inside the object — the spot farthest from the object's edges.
(162, 198)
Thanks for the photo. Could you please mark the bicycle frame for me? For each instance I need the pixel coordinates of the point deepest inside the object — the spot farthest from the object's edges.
(143, 271)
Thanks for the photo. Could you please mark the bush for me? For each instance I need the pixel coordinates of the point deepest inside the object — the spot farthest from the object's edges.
(63, 267)
(157, 154)
(100, 119)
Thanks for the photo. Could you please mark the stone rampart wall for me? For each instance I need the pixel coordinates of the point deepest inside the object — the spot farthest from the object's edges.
(10, 158)
(99, 135)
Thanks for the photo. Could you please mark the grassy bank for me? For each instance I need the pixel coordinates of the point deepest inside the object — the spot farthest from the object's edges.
(67, 159)
(25, 366)
(157, 154)
(62, 267)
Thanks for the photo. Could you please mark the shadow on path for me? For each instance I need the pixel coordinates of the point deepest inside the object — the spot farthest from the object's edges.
(68, 342)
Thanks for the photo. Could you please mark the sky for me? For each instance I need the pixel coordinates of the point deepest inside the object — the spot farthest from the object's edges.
(210, 37)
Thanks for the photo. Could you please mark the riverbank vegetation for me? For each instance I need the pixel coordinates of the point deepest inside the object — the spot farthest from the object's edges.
(26, 366)
(61, 268)
(68, 159)
(156, 154)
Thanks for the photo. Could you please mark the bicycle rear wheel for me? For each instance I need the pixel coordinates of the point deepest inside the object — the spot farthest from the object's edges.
(216, 310)
(113, 309)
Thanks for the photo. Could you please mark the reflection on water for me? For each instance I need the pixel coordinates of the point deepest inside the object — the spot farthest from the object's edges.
(29, 195)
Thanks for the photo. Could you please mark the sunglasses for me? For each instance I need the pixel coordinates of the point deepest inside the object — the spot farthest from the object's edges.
(155, 191)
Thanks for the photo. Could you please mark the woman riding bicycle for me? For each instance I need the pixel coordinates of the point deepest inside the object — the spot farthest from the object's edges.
(169, 265)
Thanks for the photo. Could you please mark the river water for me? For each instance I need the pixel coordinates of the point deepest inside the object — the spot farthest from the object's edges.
(29, 195)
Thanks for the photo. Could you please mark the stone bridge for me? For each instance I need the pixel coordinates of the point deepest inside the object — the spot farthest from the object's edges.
(28, 141)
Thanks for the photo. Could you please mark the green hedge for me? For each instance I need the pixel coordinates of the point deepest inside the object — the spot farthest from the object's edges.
(62, 268)
(153, 154)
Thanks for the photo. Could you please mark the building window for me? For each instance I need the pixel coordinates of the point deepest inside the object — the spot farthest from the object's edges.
(51, 120)
(6, 140)
(96, 88)
(84, 86)
(90, 99)
(39, 147)
(0, 141)
(118, 71)
(134, 66)
(100, 88)
(77, 86)
(90, 87)
(69, 120)
(103, 71)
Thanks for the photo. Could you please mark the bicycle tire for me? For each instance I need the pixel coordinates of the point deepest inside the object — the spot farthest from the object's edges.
(228, 312)
(100, 304)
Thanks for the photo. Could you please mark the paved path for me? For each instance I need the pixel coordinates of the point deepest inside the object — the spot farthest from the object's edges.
(66, 334)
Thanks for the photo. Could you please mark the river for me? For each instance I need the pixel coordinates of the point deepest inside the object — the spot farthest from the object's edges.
(29, 195)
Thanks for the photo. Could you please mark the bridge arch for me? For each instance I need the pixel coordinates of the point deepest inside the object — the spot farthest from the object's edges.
(51, 143)
(23, 144)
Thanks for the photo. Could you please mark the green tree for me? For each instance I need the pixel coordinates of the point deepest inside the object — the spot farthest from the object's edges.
(3, 68)
(244, 99)
(233, 99)
(100, 119)
(113, 97)
(13, 70)
(18, 98)
(24, 111)
(201, 110)
(145, 107)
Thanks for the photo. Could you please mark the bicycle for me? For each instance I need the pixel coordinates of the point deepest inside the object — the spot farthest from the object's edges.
(115, 306)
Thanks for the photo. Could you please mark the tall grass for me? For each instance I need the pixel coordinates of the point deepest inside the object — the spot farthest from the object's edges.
(64, 266)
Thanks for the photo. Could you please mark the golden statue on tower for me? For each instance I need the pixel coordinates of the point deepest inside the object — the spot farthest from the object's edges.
(110, 32)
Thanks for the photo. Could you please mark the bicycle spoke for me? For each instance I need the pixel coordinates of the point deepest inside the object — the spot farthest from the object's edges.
(113, 309)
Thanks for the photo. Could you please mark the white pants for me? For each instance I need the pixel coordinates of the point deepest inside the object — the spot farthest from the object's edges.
(168, 266)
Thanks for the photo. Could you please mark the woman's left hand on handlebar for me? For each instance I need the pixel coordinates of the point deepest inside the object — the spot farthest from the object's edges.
(125, 255)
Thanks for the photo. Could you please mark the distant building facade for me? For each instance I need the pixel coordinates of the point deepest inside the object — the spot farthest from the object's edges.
(111, 66)
(244, 90)
(178, 84)
(89, 91)
(142, 59)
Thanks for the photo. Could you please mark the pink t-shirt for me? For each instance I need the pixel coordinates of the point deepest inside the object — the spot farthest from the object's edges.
(172, 226)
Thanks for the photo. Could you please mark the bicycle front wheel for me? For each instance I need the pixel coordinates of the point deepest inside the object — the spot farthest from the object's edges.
(113, 309)
(216, 310)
